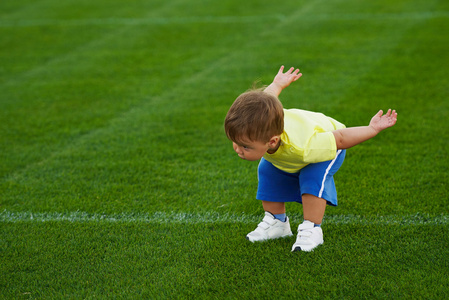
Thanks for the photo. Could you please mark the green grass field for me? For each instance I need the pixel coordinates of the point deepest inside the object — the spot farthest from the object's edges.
(117, 180)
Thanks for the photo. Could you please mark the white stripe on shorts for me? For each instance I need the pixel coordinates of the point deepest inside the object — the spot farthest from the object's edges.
(325, 174)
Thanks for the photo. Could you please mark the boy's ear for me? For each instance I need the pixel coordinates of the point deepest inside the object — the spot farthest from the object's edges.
(274, 141)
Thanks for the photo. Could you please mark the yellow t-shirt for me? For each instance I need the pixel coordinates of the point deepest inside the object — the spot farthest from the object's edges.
(307, 138)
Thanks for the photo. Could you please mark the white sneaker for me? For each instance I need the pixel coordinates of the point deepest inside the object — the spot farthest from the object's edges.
(309, 237)
(270, 228)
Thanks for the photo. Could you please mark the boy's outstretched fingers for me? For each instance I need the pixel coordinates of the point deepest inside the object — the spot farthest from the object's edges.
(381, 121)
(391, 116)
(290, 71)
(284, 79)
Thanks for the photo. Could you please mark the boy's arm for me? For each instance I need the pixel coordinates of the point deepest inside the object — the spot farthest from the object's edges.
(282, 80)
(349, 137)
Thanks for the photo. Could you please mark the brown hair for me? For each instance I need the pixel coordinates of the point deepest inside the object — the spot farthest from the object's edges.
(254, 116)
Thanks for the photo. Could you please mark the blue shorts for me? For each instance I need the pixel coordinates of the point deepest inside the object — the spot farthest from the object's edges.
(317, 179)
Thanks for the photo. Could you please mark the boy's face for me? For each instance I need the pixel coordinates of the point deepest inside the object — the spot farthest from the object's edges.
(254, 150)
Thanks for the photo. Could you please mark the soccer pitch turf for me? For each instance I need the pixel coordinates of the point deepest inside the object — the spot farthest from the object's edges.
(117, 180)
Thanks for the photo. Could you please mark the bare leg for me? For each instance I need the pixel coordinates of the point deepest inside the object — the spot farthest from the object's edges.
(313, 208)
(274, 207)
(310, 236)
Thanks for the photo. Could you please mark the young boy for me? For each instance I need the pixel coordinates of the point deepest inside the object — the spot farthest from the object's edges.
(299, 152)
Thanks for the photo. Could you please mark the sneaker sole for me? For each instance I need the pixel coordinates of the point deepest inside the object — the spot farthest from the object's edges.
(281, 237)
(298, 248)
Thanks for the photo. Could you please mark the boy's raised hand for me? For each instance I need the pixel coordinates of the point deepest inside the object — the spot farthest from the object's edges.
(283, 80)
(380, 121)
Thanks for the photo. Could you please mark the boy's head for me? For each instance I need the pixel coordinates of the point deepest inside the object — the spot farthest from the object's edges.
(254, 116)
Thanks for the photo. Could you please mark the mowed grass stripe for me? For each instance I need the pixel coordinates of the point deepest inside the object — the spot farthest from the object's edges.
(140, 21)
(212, 217)
(219, 19)
(80, 54)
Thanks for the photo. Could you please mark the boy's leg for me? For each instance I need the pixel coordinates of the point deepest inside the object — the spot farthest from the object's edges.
(310, 234)
(274, 207)
(313, 208)
(274, 189)
(277, 209)
(318, 190)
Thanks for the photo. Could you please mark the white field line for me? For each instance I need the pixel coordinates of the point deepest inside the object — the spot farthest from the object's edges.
(210, 217)
(218, 19)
